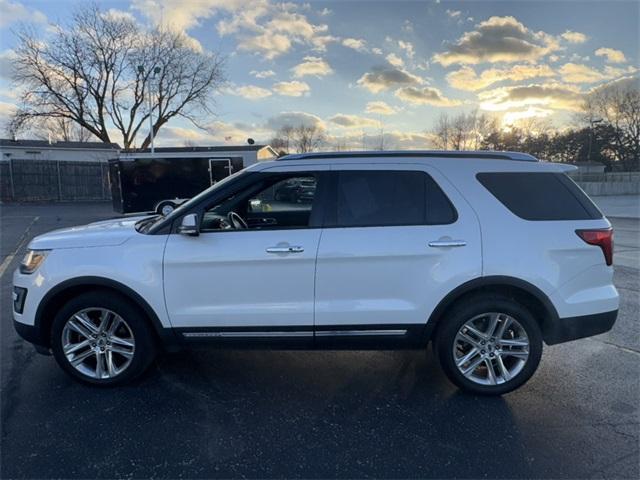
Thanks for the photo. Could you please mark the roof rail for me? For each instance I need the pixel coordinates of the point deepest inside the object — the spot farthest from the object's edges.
(484, 154)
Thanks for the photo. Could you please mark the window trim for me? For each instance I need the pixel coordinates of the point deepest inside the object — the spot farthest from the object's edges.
(331, 207)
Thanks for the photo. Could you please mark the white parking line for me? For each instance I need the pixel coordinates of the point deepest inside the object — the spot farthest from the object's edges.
(7, 261)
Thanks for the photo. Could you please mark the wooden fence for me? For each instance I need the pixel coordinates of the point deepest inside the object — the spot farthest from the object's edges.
(50, 180)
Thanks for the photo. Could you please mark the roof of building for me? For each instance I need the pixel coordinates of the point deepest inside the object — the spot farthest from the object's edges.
(217, 148)
(8, 142)
(415, 153)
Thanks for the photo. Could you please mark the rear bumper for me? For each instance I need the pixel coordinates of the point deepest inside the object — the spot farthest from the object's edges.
(572, 328)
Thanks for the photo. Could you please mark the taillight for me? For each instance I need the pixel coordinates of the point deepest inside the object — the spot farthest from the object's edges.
(603, 238)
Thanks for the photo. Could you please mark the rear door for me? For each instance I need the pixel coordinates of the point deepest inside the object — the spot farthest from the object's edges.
(397, 239)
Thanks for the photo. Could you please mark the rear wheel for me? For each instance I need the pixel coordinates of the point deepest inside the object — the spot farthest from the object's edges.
(489, 345)
(165, 207)
(102, 338)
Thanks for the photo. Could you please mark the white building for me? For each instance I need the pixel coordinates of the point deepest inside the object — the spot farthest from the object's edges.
(57, 151)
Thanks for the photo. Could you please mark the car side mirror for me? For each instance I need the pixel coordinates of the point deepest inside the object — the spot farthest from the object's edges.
(189, 225)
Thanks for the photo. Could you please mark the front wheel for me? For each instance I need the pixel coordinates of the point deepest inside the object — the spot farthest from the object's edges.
(489, 345)
(101, 338)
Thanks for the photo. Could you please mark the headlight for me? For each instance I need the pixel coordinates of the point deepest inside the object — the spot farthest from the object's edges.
(32, 260)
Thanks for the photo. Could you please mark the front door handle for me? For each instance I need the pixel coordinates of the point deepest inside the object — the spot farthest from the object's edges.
(447, 243)
(285, 249)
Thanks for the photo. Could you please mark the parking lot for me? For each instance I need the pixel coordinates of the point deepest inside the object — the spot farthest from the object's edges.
(208, 413)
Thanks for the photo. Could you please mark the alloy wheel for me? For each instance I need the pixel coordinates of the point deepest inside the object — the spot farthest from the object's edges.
(491, 348)
(98, 343)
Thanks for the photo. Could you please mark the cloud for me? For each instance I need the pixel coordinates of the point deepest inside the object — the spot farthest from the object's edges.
(381, 108)
(407, 47)
(513, 117)
(453, 13)
(263, 73)
(499, 39)
(291, 89)
(467, 79)
(6, 64)
(555, 96)
(579, 73)
(116, 14)
(383, 78)
(271, 29)
(355, 43)
(270, 45)
(294, 119)
(425, 96)
(250, 92)
(574, 37)
(376, 50)
(216, 133)
(13, 12)
(391, 140)
(611, 55)
(395, 60)
(353, 121)
(312, 66)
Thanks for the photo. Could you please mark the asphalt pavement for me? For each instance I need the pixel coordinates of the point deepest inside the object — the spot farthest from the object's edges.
(274, 414)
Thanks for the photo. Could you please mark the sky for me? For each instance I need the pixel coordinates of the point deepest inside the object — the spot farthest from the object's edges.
(359, 69)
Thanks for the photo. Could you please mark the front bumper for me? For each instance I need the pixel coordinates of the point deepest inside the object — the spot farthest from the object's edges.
(572, 328)
(32, 335)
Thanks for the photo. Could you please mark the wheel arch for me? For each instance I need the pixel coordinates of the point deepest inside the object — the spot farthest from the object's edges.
(520, 290)
(61, 293)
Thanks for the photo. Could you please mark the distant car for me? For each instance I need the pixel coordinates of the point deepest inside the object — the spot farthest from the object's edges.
(485, 254)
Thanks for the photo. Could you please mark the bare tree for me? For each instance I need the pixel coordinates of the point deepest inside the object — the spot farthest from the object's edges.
(282, 140)
(307, 138)
(618, 105)
(442, 132)
(465, 131)
(96, 72)
(59, 129)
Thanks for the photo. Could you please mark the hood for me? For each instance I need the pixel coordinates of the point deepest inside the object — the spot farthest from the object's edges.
(99, 234)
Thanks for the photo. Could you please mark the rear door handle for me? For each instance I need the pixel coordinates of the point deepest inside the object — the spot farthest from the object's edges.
(285, 249)
(447, 243)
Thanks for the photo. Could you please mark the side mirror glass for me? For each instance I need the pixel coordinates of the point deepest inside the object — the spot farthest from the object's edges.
(189, 225)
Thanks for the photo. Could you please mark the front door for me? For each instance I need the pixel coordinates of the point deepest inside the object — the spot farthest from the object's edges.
(253, 283)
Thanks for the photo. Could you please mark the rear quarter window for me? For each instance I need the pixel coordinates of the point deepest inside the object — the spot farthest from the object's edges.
(540, 195)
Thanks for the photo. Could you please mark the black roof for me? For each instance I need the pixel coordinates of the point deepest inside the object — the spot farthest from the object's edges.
(8, 142)
(217, 148)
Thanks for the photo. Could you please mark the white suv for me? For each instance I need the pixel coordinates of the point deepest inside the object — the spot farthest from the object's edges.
(486, 254)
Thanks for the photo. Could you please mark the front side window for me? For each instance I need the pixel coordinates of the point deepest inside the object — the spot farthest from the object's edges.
(370, 198)
(273, 202)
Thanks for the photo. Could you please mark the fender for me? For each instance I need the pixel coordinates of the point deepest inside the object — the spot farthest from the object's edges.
(492, 281)
(166, 335)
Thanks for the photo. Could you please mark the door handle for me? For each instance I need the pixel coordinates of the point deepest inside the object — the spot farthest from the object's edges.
(285, 249)
(447, 243)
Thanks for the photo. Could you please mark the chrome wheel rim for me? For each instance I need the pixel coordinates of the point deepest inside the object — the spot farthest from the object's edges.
(166, 210)
(98, 343)
(491, 348)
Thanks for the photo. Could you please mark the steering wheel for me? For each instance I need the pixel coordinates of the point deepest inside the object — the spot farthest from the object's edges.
(237, 221)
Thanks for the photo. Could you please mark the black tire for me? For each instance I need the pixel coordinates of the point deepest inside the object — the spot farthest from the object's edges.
(468, 309)
(145, 343)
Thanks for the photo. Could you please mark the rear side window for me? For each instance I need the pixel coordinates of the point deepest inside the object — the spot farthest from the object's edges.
(387, 198)
(540, 195)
